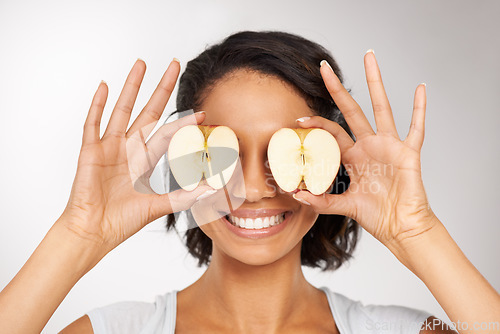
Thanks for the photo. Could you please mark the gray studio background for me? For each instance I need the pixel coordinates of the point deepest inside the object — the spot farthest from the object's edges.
(53, 55)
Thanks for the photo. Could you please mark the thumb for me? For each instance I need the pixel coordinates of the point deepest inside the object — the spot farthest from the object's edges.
(178, 200)
(332, 204)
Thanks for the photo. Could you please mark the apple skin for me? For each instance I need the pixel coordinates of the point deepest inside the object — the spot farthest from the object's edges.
(207, 129)
(302, 133)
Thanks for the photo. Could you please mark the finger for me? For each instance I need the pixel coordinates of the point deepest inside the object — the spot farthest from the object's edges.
(327, 203)
(178, 200)
(149, 116)
(381, 107)
(343, 139)
(125, 104)
(352, 112)
(415, 138)
(91, 129)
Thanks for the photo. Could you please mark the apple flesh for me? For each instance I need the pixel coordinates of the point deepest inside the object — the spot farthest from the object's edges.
(203, 151)
(303, 159)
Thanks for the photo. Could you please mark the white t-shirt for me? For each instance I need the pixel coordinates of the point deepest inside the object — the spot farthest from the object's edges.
(350, 316)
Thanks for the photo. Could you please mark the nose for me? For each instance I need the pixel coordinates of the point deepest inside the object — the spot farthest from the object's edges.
(259, 182)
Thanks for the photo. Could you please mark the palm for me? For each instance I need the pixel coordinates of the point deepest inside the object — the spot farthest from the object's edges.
(386, 195)
(386, 187)
(104, 190)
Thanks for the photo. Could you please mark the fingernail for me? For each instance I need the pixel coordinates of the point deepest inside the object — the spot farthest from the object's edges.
(423, 83)
(325, 62)
(139, 59)
(370, 50)
(206, 194)
(301, 200)
(302, 119)
(103, 82)
(177, 60)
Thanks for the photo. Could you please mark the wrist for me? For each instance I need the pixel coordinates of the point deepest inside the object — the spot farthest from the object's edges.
(414, 246)
(84, 253)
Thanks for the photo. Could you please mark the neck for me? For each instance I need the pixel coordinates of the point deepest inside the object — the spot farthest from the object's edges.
(255, 298)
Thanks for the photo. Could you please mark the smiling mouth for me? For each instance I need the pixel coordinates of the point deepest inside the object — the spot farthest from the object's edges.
(258, 222)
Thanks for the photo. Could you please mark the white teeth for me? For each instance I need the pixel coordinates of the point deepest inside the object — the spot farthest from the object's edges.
(249, 223)
(257, 223)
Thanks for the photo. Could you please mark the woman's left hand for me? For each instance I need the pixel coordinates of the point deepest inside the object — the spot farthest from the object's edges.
(386, 194)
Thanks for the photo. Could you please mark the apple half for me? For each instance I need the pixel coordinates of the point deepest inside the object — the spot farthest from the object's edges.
(303, 159)
(203, 151)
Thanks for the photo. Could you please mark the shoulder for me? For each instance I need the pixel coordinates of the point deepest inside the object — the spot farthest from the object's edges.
(355, 317)
(80, 326)
(130, 316)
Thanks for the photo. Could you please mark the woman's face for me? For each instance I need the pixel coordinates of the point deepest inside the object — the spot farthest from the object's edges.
(254, 106)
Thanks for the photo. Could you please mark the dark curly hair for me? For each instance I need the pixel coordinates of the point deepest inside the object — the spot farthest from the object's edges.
(295, 60)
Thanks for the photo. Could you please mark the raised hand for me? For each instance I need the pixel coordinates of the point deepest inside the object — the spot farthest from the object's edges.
(386, 194)
(111, 198)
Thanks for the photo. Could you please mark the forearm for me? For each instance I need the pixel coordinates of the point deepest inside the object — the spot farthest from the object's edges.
(460, 289)
(33, 295)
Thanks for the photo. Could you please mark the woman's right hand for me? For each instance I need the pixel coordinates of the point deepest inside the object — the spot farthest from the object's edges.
(111, 198)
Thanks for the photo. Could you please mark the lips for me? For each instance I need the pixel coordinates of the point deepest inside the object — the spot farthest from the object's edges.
(252, 223)
(256, 223)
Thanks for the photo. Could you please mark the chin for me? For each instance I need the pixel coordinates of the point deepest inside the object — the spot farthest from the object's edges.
(261, 255)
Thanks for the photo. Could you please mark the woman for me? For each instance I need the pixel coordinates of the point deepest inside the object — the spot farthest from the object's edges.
(254, 83)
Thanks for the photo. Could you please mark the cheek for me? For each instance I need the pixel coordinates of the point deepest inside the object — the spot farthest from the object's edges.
(306, 217)
(205, 219)
(211, 209)
(203, 214)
